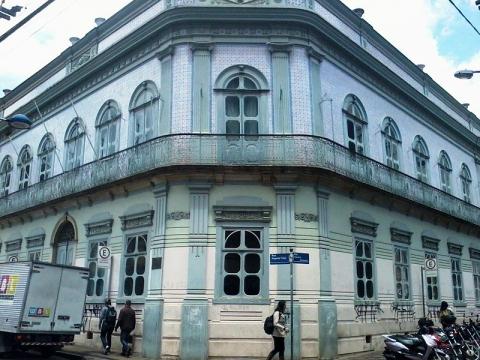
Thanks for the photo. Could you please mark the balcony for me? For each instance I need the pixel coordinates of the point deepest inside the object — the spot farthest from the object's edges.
(221, 150)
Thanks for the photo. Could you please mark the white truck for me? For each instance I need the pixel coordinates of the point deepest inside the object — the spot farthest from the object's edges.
(41, 305)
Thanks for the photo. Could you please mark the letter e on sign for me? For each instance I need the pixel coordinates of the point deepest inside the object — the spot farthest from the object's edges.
(431, 267)
(104, 256)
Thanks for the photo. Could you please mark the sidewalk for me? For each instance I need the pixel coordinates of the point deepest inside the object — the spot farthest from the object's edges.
(370, 355)
(75, 352)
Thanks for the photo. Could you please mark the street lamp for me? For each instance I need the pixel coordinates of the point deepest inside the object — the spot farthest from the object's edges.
(18, 121)
(465, 74)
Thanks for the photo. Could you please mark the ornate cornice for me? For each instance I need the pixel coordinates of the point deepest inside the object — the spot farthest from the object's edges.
(242, 213)
(455, 249)
(400, 236)
(362, 226)
(134, 221)
(430, 243)
(306, 217)
(474, 253)
(178, 215)
(13, 245)
(35, 241)
(99, 227)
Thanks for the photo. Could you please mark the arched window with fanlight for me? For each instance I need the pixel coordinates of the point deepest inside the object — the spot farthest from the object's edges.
(356, 124)
(466, 182)
(241, 102)
(46, 157)
(445, 169)
(144, 113)
(6, 170)
(65, 242)
(24, 165)
(392, 143)
(108, 129)
(421, 157)
(74, 144)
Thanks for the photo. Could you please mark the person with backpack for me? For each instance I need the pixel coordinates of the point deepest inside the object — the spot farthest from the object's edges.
(279, 331)
(446, 315)
(126, 322)
(108, 316)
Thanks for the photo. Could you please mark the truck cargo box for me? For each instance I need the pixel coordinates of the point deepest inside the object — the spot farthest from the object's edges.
(41, 298)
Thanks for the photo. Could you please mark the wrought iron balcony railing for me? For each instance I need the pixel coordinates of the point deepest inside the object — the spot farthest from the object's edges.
(223, 150)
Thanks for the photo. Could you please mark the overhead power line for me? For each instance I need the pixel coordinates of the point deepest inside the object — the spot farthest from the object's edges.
(463, 15)
(24, 21)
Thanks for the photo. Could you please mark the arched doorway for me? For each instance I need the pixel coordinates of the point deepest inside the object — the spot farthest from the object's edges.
(64, 244)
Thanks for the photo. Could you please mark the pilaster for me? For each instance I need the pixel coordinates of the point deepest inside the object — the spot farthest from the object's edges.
(152, 328)
(297, 334)
(194, 330)
(201, 86)
(315, 61)
(285, 195)
(281, 94)
(197, 255)
(165, 58)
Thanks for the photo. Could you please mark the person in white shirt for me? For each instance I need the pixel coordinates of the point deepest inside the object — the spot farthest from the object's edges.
(279, 331)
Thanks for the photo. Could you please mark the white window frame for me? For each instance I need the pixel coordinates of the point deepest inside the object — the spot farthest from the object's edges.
(139, 109)
(6, 172)
(74, 144)
(432, 282)
(46, 153)
(401, 273)
(24, 164)
(365, 260)
(108, 118)
(457, 280)
(355, 115)
(392, 143)
(466, 182)
(445, 171)
(35, 254)
(421, 159)
(476, 279)
(135, 255)
(92, 261)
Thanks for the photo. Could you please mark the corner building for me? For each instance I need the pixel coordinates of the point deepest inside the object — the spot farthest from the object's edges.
(195, 138)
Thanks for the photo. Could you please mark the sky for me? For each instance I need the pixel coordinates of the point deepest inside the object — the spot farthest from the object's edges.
(429, 32)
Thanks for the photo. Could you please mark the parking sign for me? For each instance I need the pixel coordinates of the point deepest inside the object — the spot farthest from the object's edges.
(104, 255)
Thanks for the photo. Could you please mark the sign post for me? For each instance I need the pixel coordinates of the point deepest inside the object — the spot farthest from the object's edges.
(290, 258)
(104, 256)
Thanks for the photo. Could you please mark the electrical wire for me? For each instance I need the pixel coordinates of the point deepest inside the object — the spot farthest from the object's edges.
(24, 21)
(463, 15)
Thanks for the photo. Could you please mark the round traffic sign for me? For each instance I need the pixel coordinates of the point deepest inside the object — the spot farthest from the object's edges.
(13, 258)
(431, 264)
(104, 252)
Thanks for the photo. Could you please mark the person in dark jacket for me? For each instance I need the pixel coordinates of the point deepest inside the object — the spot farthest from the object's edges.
(108, 315)
(126, 323)
(279, 331)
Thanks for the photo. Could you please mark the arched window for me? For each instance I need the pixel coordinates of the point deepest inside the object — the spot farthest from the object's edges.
(45, 157)
(144, 112)
(356, 123)
(5, 175)
(466, 181)
(392, 142)
(241, 102)
(24, 167)
(74, 144)
(65, 243)
(445, 169)
(421, 156)
(108, 129)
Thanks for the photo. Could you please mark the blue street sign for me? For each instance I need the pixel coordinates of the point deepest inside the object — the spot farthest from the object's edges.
(301, 258)
(279, 259)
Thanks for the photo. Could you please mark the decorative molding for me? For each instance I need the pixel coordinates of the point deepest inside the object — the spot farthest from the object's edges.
(401, 235)
(82, 59)
(168, 51)
(133, 221)
(35, 241)
(237, 213)
(178, 215)
(474, 253)
(280, 47)
(362, 226)
(99, 227)
(306, 217)
(430, 243)
(13, 245)
(202, 46)
(455, 249)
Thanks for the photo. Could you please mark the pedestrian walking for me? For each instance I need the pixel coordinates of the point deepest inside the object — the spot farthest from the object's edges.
(279, 331)
(446, 314)
(108, 316)
(126, 323)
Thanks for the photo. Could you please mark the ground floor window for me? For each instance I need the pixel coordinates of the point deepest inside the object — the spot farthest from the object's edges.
(35, 255)
(402, 273)
(457, 281)
(432, 282)
(97, 275)
(135, 264)
(242, 263)
(364, 270)
(476, 279)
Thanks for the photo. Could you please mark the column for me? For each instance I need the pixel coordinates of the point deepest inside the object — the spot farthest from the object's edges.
(201, 88)
(153, 315)
(327, 307)
(281, 95)
(194, 327)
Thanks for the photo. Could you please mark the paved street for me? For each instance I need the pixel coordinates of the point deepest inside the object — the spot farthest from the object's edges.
(377, 355)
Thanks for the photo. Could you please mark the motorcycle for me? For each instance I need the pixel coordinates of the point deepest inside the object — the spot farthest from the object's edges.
(413, 347)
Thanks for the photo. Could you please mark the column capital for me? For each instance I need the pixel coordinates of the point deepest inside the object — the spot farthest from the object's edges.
(160, 189)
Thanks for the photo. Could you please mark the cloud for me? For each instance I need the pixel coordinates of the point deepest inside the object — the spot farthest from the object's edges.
(417, 28)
